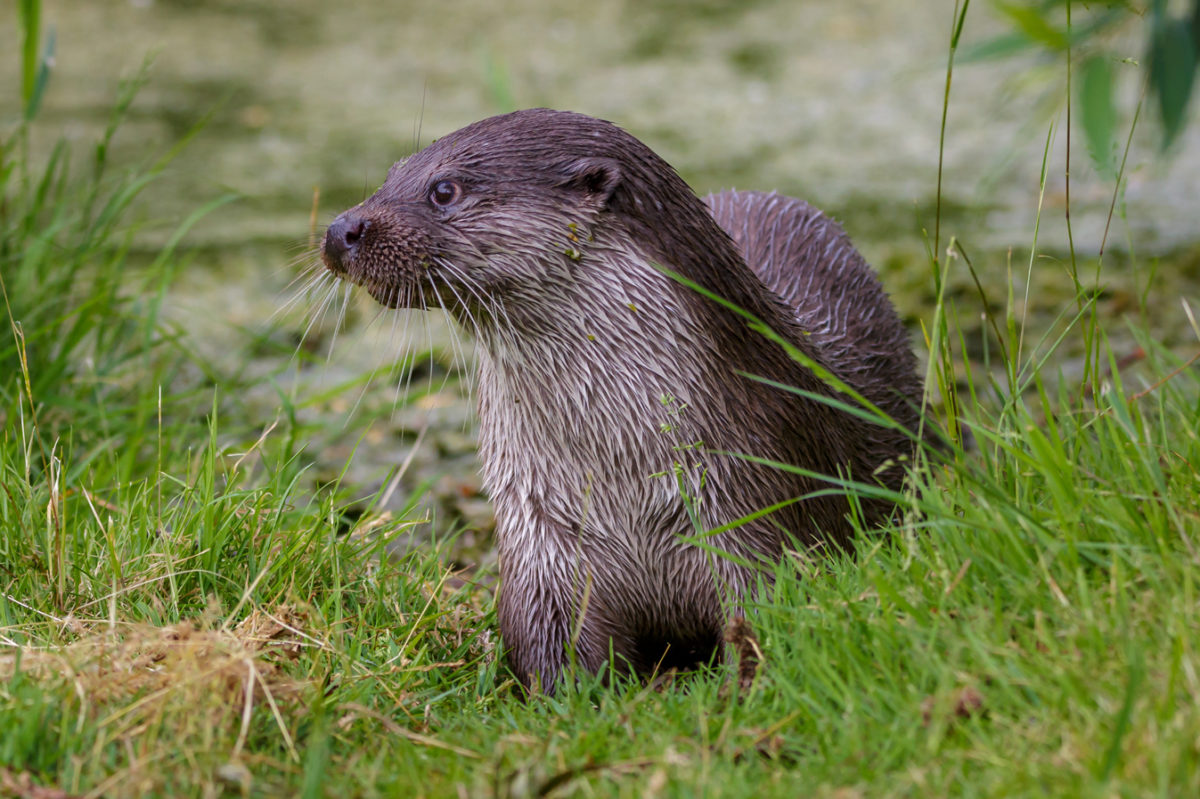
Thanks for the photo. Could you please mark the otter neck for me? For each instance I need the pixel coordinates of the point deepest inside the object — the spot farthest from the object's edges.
(616, 317)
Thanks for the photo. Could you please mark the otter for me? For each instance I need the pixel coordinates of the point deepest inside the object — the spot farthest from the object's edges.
(655, 372)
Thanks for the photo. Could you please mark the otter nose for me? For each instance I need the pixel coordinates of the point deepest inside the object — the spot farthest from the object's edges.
(341, 239)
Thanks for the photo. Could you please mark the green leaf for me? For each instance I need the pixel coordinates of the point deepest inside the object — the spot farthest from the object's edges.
(1003, 46)
(1098, 110)
(1034, 24)
(29, 15)
(1196, 26)
(34, 100)
(1172, 73)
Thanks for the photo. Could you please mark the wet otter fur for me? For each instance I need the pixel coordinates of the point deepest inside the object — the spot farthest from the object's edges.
(623, 413)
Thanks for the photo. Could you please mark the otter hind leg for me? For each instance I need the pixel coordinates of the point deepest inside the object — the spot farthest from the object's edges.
(658, 653)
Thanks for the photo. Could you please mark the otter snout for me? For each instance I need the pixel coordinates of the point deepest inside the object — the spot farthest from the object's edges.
(342, 239)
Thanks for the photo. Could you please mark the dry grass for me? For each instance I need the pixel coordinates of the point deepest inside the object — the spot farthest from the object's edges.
(158, 691)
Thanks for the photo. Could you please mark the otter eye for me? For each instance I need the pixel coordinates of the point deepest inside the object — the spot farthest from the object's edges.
(444, 193)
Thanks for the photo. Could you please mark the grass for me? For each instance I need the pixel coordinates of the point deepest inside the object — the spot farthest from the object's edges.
(182, 614)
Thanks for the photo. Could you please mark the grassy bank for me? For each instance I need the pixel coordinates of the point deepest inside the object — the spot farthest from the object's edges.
(185, 611)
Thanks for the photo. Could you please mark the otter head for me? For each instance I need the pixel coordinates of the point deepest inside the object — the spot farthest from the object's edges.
(485, 215)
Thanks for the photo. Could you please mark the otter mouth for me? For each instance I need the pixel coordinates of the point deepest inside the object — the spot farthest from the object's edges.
(387, 296)
(395, 266)
(411, 294)
(350, 253)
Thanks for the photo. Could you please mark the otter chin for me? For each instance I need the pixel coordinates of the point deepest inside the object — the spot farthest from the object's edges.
(632, 428)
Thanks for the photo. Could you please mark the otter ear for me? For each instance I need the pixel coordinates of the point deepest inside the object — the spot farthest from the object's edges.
(595, 176)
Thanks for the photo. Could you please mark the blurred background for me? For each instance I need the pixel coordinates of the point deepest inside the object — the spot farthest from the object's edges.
(838, 103)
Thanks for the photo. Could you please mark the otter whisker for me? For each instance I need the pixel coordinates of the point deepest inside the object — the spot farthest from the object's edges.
(306, 256)
(491, 307)
(313, 274)
(318, 313)
(380, 312)
(342, 309)
(362, 392)
(407, 362)
(459, 359)
(428, 334)
(495, 310)
(291, 304)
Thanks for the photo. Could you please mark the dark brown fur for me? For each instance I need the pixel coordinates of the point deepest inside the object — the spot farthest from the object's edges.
(623, 413)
